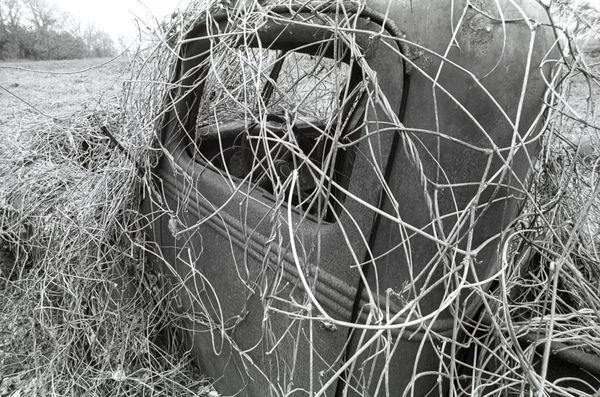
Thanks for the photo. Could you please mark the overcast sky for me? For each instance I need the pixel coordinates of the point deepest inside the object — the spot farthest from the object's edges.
(116, 16)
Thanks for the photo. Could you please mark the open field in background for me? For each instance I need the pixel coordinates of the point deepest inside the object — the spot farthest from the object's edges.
(57, 93)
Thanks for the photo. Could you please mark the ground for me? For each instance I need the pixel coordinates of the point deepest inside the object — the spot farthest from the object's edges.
(30, 90)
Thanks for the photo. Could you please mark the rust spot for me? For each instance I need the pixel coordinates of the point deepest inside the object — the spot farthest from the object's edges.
(477, 33)
(481, 23)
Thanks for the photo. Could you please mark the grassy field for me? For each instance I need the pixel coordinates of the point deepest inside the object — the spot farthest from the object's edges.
(31, 91)
(30, 94)
(37, 89)
(56, 99)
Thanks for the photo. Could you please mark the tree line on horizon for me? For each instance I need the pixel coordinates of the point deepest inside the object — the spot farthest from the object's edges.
(36, 29)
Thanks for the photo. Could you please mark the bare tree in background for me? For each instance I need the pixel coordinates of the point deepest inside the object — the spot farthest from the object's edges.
(10, 24)
(98, 42)
(37, 29)
(42, 15)
(10, 14)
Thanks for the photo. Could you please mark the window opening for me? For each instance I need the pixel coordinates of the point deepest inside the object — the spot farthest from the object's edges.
(264, 113)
